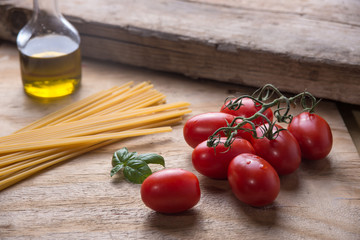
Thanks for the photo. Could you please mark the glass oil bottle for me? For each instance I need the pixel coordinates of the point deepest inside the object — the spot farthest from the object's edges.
(50, 58)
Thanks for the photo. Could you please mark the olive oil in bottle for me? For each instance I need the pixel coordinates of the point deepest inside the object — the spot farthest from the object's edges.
(50, 73)
(49, 47)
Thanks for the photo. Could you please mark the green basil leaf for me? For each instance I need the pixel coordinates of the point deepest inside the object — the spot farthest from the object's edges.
(152, 158)
(136, 171)
(134, 166)
(123, 156)
(116, 168)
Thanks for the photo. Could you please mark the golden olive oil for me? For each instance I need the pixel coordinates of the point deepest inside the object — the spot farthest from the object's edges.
(50, 68)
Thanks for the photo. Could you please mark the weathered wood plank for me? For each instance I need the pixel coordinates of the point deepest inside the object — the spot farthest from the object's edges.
(296, 46)
(79, 200)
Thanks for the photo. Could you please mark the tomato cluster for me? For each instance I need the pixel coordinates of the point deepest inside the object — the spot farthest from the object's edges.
(253, 162)
(240, 143)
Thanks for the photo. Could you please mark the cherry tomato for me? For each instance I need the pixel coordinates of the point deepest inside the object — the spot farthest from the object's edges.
(313, 134)
(253, 180)
(248, 109)
(198, 128)
(283, 152)
(171, 190)
(214, 163)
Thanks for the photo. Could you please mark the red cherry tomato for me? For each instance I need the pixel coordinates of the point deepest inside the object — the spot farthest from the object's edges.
(253, 180)
(283, 152)
(313, 134)
(214, 164)
(198, 128)
(248, 109)
(171, 190)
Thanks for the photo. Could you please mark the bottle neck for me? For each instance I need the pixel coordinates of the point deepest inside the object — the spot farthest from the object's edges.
(46, 8)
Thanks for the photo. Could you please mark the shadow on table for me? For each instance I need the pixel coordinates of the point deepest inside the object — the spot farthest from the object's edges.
(184, 220)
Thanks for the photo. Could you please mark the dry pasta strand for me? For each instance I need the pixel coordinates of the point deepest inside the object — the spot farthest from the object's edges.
(95, 121)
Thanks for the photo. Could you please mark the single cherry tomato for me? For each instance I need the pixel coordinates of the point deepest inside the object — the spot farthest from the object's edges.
(171, 190)
(200, 127)
(214, 163)
(248, 109)
(253, 180)
(313, 134)
(283, 152)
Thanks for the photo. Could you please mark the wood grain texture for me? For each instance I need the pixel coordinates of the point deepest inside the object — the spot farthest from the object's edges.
(351, 116)
(295, 45)
(79, 200)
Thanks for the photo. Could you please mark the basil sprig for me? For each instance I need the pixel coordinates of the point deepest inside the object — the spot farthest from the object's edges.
(134, 166)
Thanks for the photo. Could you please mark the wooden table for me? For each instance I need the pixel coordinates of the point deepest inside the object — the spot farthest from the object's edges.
(293, 44)
(79, 200)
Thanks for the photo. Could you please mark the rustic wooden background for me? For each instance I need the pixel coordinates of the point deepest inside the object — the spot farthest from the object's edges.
(295, 45)
(79, 200)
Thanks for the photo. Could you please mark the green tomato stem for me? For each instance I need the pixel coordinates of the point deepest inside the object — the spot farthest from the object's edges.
(262, 97)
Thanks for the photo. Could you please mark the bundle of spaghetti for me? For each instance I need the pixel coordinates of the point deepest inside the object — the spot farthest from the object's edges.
(98, 120)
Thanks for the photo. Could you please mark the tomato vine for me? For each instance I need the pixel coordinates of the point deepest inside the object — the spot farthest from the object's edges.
(265, 97)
